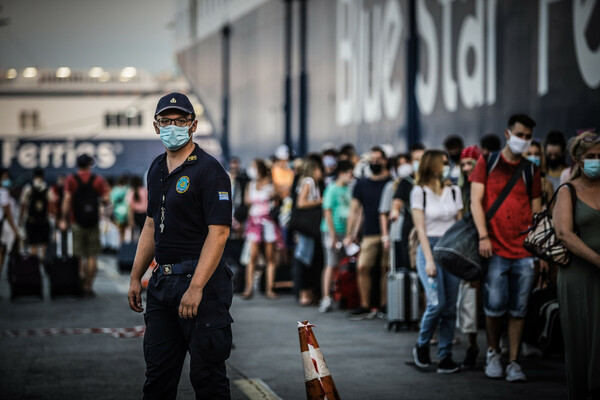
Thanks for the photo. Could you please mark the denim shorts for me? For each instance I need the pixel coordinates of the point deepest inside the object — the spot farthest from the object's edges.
(507, 286)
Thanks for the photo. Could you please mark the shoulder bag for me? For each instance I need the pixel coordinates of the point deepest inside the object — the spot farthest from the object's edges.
(541, 240)
(458, 250)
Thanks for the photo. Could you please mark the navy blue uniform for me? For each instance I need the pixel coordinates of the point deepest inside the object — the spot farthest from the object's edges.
(183, 204)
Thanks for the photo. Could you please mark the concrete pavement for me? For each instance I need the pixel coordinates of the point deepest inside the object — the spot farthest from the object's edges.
(365, 360)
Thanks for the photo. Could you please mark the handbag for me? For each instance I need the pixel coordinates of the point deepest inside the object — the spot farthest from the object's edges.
(306, 220)
(541, 240)
(458, 250)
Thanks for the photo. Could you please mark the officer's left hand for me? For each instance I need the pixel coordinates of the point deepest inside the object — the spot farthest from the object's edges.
(188, 307)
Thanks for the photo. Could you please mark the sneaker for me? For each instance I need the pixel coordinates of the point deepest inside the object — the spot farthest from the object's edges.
(493, 366)
(325, 304)
(471, 358)
(421, 356)
(514, 373)
(447, 366)
(359, 314)
(382, 313)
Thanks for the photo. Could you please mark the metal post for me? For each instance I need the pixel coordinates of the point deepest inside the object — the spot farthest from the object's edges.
(303, 139)
(287, 107)
(412, 57)
(225, 71)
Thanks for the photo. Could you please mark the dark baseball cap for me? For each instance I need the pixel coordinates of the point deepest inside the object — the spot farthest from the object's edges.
(175, 100)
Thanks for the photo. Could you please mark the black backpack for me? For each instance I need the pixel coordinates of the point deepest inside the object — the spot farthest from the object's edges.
(38, 205)
(85, 203)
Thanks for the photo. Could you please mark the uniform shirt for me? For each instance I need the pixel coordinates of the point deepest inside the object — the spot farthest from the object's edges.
(514, 215)
(368, 193)
(440, 211)
(71, 185)
(196, 194)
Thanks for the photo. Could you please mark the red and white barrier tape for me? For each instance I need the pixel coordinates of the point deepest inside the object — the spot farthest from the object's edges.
(131, 332)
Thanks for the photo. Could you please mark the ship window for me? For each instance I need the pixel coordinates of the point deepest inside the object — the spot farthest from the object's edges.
(122, 119)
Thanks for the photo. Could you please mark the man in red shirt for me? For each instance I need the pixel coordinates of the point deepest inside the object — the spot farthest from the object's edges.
(510, 273)
(81, 209)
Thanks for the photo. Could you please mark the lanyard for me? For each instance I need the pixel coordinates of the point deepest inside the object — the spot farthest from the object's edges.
(163, 196)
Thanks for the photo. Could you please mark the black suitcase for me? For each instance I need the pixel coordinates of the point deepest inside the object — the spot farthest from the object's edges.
(63, 269)
(126, 256)
(24, 275)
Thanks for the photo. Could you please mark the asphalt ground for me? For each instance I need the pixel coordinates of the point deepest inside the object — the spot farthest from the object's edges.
(365, 360)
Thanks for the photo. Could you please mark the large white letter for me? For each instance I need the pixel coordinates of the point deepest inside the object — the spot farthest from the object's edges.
(390, 38)
(344, 71)
(588, 60)
(426, 90)
(448, 84)
(491, 52)
(9, 152)
(371, 66)
(543, 46)
(471, 36)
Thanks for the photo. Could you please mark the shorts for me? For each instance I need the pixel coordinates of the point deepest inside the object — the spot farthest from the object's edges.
(38, 233)
(86, 241)
(261, 230)
(507, 286)
(371, 252)
(332, 256)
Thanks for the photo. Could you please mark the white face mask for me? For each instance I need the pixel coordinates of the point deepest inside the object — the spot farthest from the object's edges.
(517, 145)
(404, 170)
(251, 172)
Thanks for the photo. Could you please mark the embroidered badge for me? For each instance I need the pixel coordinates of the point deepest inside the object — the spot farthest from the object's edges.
(173, 100)
(192, 158)
(183, 184)
(223, 196)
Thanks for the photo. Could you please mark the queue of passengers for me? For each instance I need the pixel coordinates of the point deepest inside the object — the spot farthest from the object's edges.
(374, 201)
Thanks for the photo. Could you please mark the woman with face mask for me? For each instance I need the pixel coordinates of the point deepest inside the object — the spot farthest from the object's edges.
(576, 226)
(435, 207)
(535, 154)
(260, 226)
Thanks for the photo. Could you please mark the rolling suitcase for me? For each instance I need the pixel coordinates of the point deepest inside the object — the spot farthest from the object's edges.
(126, 256)
(24, 275)
(402, 297)
(63, 269)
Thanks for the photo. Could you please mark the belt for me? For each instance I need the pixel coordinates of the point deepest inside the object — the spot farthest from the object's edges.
(180, 268)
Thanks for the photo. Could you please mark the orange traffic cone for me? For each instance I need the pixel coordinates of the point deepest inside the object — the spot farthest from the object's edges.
(318, 380)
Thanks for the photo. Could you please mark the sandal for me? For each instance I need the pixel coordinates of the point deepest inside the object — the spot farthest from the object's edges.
(272, 295)
(247, 296)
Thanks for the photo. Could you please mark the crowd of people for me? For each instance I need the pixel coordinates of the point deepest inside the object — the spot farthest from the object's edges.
(384, 203)
(308, 213)
(86, 212)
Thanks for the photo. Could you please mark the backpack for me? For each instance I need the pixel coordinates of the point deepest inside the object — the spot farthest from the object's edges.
(492, 161)
(38, 205)
(85, 203)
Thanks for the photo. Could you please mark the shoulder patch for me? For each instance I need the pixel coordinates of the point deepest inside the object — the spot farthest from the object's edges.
(183, 184)
(223, 196)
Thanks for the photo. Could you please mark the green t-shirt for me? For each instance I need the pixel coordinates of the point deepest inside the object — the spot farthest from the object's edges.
(337, 199)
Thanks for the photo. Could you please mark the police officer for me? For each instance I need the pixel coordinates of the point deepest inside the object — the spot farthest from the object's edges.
(190, 292)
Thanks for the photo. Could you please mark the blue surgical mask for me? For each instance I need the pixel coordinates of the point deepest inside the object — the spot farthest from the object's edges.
(174, 137)
(6, 183)
(415, 165)
(591, 168)
(446, 172)
(534, 159)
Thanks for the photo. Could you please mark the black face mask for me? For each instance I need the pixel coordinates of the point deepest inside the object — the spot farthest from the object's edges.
(553, 162)
(455, 158)
(376, 168)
